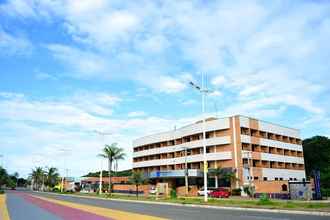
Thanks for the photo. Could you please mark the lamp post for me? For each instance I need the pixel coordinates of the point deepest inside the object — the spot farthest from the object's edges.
(186, 174)
(102, 134)
(64, 151)
(203, 92)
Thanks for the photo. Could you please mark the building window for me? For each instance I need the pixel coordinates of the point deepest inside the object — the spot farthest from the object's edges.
(265, 178)
(276, 178)
(281, 178)
(256, 178)
(284, 187)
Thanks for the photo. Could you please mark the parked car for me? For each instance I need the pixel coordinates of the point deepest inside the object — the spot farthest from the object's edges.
(200, 192)
(153, 190)
(220, 193)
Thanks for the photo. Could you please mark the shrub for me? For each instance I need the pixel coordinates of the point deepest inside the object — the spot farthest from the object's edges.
(173, 194)
(2, 191)
(249, 190)
(264, 199)
(325, 192)
(236, 192)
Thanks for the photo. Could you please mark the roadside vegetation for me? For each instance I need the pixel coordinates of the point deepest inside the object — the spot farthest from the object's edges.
(265, 203)
(10, 180)
(317, 157)
(44, 179)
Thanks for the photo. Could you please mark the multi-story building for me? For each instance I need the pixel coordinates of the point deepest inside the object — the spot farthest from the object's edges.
(260, 153)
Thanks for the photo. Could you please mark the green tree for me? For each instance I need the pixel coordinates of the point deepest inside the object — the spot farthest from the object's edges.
(217, 172)
(223, 174)
(230, 176)
(113, 154)
(317, 156)
(52, 177)
(3, 176)
(137, 179)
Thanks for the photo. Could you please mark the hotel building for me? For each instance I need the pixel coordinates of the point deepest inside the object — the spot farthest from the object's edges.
(260, 153)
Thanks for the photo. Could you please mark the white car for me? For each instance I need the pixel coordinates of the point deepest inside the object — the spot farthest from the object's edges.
(200, 192)
(153, 190)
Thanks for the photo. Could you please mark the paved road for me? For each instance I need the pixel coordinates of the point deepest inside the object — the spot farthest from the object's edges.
(21, 206)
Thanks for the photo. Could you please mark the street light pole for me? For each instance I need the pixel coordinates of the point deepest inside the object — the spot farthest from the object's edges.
(64, 151)
(102, 134)
(186, 172)
(203, 91)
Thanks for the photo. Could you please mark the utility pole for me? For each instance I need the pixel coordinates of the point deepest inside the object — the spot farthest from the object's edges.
(102, 134)
(64, 151)
(203, 92)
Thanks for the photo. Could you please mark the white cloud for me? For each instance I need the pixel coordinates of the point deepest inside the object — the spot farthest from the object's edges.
(218, 80)
(215, 93)
(13, 45)
(45, 76)
(11, 95)
(44, 127)
(136, 114)
(18, 8)
(84, 63)
(162, 83)
(189, 102)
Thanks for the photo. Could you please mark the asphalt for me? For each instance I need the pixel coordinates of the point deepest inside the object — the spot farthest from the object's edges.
(20, 209)
(182, 213)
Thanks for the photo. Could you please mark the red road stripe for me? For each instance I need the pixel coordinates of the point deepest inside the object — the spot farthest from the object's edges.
(65, 212)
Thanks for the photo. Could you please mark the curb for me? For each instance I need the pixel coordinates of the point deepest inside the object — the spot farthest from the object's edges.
(280, 211)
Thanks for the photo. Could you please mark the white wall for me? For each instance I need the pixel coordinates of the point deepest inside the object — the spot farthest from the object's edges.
(244, 121)
(286, 174)
(222, 123)
(281, 158)
(270, 127)
(179, 160)
(276, 129)
(272, 143)
(180, 147)
(280, 144)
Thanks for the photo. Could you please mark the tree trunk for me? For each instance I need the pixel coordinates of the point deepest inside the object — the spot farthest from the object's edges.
(137, 191)
(110, 165)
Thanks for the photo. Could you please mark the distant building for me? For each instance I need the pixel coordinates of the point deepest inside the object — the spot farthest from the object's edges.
(261, 154)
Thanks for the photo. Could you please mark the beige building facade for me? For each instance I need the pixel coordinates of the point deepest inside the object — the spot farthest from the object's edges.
(259, 152)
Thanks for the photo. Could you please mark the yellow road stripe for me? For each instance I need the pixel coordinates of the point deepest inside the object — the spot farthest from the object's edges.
(110, 213)
(3, 208)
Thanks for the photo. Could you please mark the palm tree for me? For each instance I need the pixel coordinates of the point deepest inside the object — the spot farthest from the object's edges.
(113, 154)
(37, 176)
(230, 177)
(137, 179)
(219, 173)
(52, 177)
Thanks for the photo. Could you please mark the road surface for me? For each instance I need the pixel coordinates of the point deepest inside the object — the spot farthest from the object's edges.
(40, 206)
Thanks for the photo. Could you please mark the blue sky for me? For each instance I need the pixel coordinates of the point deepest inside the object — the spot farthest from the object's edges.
(70, 67)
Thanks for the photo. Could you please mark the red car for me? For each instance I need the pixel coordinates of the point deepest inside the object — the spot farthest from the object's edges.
(220, 193)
